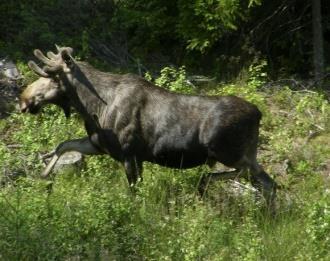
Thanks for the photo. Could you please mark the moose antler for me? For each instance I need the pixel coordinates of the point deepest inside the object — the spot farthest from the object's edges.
(53, 56)
(53, 62)
(50, 62)
(34, 67)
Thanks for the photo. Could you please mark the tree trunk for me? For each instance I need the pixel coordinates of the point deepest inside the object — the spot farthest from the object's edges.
(318, 53)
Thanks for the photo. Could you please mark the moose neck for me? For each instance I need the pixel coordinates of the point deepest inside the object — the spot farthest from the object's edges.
(84, 95)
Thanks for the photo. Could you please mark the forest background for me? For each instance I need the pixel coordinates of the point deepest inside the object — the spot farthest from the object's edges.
(218, 38)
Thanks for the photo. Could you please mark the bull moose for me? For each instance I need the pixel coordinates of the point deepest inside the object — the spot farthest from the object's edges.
(134, 121)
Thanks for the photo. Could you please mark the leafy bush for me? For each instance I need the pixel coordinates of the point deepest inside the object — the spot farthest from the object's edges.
(174, 80)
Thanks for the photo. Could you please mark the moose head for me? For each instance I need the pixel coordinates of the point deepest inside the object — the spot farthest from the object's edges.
(49, 88)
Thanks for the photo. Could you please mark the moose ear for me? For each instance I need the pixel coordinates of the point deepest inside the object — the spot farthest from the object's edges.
(66, 55)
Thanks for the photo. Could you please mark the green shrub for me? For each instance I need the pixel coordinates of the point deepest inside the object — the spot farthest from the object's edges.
(318, 226)
(174, 80)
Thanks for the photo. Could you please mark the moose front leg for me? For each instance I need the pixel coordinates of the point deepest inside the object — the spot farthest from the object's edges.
(82, 145)
(133, 169)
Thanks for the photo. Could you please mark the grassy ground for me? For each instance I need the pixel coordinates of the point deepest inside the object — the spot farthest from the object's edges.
(90, 214)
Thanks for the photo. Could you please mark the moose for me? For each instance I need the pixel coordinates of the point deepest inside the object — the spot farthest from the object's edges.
(135, 121)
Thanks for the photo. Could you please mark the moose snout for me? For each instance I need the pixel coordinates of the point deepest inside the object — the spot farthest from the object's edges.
(30, 106)
(24, 106)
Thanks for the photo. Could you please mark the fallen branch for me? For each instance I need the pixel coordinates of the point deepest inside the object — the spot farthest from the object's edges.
(14, 146)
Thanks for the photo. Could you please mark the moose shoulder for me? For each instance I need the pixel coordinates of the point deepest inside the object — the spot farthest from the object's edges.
(134, 121)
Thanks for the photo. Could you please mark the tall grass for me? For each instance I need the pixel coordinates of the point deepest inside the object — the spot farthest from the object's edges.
(97, 218)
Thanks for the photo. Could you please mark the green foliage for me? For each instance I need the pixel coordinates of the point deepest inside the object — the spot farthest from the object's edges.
(248, 89)
(257, 74)
(318, 227)
(219, 37)
(303, 120)
(202, 23)
(28, 25)
(174, 80)
(47, 129)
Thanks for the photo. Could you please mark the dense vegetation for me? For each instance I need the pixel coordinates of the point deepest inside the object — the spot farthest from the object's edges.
(217, 37)
(90, 213)
(252, 48)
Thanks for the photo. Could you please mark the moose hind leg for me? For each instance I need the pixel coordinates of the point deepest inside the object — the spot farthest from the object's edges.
(264, 183)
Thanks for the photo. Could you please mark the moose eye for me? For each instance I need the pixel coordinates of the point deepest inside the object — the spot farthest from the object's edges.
(39, 95)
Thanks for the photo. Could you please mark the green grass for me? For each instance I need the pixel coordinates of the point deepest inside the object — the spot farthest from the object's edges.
(96, 217)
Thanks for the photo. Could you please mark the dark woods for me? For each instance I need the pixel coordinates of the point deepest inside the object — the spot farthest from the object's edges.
(218, 37)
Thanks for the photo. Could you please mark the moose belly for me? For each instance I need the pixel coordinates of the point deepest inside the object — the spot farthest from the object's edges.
(180, 159)
(179, 148)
